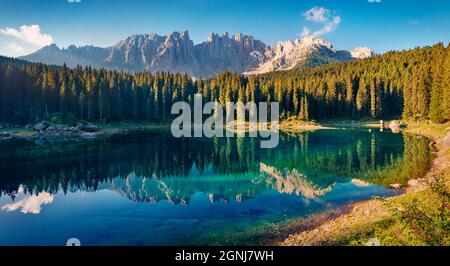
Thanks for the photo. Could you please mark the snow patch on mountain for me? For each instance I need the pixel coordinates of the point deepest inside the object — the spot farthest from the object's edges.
(362, 52)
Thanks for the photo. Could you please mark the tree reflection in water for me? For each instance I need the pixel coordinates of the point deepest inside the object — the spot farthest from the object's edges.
(156, 166)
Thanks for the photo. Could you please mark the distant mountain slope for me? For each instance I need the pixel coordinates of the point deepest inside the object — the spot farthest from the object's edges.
(176, 52)
(72, 56)
(306, 52)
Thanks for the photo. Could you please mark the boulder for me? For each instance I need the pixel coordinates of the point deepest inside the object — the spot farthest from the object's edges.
(89, 127)
(5, 136)
(395, 126)
(41, 126)
(413, 182)
(396, 186)
(51, 129)
(71, 129)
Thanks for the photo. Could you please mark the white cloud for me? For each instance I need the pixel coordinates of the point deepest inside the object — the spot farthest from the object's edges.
(305, 32)
(317, 14)
(374, 1)
(74, 1)
(320, 15)
(31, 34)
(30, 204)
(14, 49)
(329, 26)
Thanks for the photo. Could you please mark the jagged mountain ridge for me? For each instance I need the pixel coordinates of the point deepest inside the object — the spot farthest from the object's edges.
(176, 52)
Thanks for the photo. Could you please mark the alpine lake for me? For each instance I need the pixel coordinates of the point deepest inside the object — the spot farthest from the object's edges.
(154, 189)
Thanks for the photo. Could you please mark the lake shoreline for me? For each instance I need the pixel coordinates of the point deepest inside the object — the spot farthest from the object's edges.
(362, 215)
(314, 225)
(47, 133)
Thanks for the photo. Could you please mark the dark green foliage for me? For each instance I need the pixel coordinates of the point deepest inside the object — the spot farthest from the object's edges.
(414, 84)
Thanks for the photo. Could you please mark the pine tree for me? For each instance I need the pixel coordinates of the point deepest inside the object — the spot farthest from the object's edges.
(408, 98)
(423, 92)
(296, 102)
(361, 99)
(304, 112)
(373, 98)
(412, 83)
(446, 86)
(349, 97)
(436, 113)
(82, 103)
(65, 97)
(331, 98)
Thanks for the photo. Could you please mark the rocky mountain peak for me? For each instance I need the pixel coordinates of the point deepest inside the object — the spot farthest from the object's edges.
(176, 52)
(237, 37)
(51, 47)
(311, 41)
(176, 35)
(305, 52)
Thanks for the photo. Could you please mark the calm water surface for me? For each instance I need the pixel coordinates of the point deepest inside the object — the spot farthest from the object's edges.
(158, 190)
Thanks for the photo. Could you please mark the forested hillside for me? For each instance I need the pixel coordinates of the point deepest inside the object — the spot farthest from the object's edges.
(414, 84)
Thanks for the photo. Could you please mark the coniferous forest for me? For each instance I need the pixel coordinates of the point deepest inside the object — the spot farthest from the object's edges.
(413, 84)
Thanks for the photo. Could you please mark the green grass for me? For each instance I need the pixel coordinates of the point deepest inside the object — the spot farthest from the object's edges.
(418, 219)
(427, 128)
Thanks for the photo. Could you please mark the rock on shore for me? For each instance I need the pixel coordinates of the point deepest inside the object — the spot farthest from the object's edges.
(47, 132)
(395, 126)
(5, 136)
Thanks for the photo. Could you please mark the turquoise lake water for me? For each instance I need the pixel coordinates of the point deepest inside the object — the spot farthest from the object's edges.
(154, 189)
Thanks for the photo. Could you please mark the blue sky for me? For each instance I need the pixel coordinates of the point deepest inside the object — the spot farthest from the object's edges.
(26, 25)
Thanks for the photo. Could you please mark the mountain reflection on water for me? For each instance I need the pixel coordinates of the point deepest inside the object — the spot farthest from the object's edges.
(159, 167)
(154, 189)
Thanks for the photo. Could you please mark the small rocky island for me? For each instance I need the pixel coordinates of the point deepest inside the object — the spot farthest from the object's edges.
(47, 132)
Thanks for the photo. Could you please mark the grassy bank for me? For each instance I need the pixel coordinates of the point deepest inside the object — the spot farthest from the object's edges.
(421, 216)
